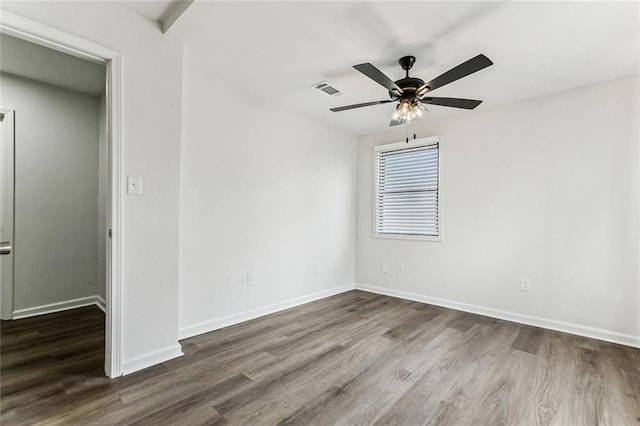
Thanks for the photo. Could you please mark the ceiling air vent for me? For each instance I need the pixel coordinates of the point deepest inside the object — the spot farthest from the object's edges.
(327, 88)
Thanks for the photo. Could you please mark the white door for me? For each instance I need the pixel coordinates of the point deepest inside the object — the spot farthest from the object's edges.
(6, 212)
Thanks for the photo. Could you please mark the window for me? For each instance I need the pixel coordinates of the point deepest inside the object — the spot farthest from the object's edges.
(407, 189)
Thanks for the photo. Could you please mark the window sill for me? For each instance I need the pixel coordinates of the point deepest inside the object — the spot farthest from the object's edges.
(437, 239)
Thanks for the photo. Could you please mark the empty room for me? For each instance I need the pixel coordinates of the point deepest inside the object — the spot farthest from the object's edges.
(320, 213)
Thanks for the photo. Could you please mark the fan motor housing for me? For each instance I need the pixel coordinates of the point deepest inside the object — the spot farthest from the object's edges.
(409, 85)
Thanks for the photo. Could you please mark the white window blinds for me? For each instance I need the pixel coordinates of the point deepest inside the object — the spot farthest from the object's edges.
(406, 192)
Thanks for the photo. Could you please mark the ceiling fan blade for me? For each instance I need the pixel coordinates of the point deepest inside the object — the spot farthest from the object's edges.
(378, 76)
(464, 69)
(344, 108)
(452, 102)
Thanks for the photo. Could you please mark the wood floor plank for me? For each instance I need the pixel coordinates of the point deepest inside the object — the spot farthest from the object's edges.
(421, 400)
(548, 390)
(590, 385)
(367, 394)
(482, 362)
(352, 359)
(528, 340)
(192, 377)
(317, 332)
(614, 406)
(198, 407)
(464, 321)
(412, 324)
(234, 408)
(326, 384)
(280, 365)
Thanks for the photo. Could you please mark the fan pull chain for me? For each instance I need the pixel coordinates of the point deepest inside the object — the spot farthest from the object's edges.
(409, 128)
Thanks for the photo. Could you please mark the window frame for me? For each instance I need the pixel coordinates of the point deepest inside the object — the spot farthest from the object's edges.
(429, 140)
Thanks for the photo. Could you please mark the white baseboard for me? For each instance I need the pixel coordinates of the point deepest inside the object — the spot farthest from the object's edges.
(101, 303)
(60, 306)
(149, 359)
(577, 329)
(218, 323)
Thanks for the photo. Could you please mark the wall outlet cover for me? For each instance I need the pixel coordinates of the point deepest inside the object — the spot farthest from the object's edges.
(134, 185)
(251, 278)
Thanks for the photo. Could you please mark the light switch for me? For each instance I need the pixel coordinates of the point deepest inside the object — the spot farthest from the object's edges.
(134, 185)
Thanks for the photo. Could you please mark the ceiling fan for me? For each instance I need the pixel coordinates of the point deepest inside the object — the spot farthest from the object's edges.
(411, 92)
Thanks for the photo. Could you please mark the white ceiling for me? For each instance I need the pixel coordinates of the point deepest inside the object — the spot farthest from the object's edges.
(49, 66)
(156, 10)
(152, 9)
(278, 50)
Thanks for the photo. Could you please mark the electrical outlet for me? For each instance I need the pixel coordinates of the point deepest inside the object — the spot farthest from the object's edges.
(400, 264)
(316, 267)
(385, 267)
(134, 185)
(251, 278)
(525, 284)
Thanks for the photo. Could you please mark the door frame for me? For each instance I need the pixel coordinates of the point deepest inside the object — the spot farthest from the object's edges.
(35, 32)
(6, 292)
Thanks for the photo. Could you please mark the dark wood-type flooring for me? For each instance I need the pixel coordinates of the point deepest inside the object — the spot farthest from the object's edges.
(356, 358)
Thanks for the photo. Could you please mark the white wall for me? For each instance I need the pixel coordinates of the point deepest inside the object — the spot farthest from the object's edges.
(152, 84)
(56, 192)
(547, 189)
(262, 190)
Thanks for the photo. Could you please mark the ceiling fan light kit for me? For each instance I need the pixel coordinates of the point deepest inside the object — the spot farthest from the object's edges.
(407, 111)
(410, 92)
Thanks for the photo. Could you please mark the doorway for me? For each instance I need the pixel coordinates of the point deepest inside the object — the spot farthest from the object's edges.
(6, 212)
(43, 36)
(59, 179)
